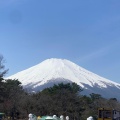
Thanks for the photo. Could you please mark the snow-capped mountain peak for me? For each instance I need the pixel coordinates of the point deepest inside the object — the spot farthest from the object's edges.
(56, 70)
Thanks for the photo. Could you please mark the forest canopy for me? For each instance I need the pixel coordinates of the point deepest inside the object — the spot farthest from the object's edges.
(60, 99)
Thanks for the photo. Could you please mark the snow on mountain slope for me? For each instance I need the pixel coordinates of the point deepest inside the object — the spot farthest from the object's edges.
(55, 70)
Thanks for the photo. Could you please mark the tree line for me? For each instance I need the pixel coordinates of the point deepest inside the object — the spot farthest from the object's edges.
(61, 99)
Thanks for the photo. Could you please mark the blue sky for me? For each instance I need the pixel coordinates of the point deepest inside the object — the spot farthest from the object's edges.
(86, 32)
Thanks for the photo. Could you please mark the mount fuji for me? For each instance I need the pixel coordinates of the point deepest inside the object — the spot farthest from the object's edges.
(53, 71)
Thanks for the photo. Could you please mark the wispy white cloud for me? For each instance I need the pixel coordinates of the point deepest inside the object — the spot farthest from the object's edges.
(98, 53)
(93, 55)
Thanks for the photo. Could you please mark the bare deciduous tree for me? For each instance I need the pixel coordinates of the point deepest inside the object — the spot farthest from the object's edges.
(3, 71)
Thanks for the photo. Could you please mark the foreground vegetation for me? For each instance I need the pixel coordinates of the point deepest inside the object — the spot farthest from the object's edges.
(61, 99)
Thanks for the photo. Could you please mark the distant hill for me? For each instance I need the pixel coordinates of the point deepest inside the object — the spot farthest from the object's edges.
(53, 71)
